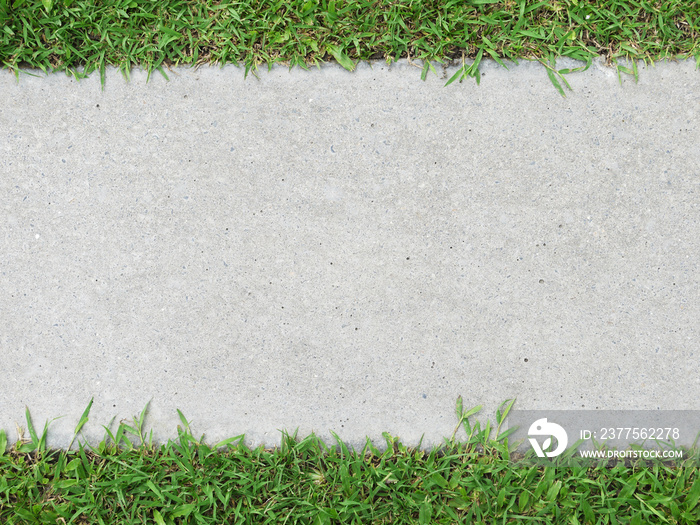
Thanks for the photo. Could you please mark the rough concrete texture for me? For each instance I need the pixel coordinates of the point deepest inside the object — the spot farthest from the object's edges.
(327, 250)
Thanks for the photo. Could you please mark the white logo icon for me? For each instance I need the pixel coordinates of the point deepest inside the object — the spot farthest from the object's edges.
(543, 428)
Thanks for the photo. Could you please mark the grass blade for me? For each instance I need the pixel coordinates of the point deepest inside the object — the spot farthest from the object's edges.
(157, 516)
(81, 423)
(30, 427)
(496, 57)
(142, 417)
(556, 83)
(461, 73)
(185, 423)
(427, 66)
(341, 57)
(690, 501)
(228, 441)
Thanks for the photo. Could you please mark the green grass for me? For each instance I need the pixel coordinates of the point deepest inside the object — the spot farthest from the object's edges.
(126, 479)
(81, 36)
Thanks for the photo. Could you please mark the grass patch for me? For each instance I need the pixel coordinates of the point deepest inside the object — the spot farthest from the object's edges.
(68, 35)
(126, 479)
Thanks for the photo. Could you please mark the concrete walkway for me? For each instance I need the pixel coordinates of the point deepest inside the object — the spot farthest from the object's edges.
(346, 251)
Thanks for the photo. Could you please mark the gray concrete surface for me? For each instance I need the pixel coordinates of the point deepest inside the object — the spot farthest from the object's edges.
(327, 250)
